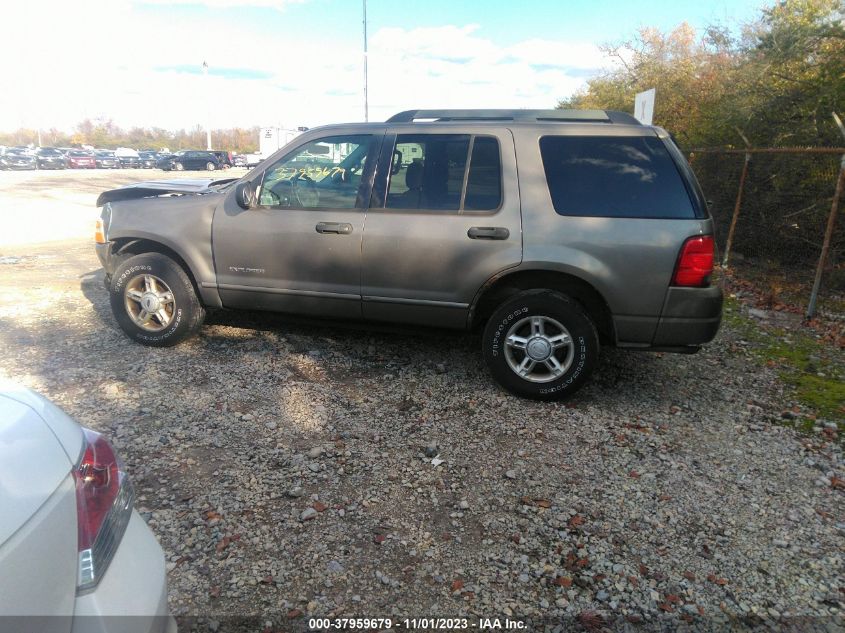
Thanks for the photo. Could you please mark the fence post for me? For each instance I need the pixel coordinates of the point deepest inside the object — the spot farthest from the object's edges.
(828, 233)
(738, 204)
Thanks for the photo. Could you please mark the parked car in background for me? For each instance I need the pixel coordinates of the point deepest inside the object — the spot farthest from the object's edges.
(148, 159)
(239, 160)
(80, 159)
(49, 158)
(128, 157)
(73, 550)
(106, 159)
(224, 157)
(14, 158)
(253, 159)
(189, 159)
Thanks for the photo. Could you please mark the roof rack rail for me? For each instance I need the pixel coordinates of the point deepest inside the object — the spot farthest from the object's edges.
(584, 116)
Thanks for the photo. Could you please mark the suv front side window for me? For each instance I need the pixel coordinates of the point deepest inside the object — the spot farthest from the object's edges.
(325, 174)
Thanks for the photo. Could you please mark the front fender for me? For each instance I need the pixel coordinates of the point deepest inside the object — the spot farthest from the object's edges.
(182, 224)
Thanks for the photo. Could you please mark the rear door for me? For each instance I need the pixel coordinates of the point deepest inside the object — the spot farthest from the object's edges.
(444, 218)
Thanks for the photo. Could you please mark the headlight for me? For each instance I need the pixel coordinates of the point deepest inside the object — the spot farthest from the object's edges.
(101, 228)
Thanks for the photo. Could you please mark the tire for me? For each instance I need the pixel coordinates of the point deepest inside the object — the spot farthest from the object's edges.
(183, 312)
(567, 366)
(209, 166)
(179, 167)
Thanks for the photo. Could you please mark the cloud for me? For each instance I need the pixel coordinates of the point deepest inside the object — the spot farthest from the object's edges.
(112, 60)
(456, 67)
(279, 5)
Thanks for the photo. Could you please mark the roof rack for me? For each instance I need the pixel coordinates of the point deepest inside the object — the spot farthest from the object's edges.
(582, 116)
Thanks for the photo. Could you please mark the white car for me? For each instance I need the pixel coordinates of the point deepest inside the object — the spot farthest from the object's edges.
(71, 544)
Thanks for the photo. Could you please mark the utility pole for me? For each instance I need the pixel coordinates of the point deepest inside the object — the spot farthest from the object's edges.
(366, 105)
(208, 106)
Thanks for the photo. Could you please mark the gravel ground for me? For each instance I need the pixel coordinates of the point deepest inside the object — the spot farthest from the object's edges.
(41, 206)
(292, 469)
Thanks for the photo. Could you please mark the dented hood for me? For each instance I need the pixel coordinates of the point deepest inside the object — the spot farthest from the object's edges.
(160, 188)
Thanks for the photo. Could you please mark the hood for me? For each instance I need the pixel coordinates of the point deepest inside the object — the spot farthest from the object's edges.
(159, 188)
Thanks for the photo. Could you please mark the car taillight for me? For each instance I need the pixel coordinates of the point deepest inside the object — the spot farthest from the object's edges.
(695, 263)
(104, 498)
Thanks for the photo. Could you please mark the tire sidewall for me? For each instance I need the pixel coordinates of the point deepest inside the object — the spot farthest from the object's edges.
(180, 285)
(556, 306)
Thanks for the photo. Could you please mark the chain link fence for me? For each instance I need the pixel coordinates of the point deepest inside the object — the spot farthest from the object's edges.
(772, 209)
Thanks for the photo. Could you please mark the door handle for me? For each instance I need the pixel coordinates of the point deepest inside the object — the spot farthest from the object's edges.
(488, 233)
(340, 228)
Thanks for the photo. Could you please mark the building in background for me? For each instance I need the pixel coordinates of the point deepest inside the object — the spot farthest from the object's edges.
(272, 138)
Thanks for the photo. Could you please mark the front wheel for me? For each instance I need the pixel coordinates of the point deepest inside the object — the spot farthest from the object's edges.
(153, 300)
(540, 344)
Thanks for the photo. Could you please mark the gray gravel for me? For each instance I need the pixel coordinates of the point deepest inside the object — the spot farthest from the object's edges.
(293, 469)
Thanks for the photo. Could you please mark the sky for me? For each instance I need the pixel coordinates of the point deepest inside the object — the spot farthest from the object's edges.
(300, 62)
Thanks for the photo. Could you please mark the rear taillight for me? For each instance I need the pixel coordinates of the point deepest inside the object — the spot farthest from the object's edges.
(695, 263)
(104, 500)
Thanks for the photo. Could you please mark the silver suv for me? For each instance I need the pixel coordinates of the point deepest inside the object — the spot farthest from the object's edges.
(550, 231)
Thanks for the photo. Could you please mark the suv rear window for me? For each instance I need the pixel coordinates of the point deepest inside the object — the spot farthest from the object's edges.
(613, 176)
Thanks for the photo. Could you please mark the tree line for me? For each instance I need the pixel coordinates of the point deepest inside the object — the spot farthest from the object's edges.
(107, 135)
(777, 80)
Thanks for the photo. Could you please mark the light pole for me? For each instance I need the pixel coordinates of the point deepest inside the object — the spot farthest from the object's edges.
(208, 106)
(366, 105)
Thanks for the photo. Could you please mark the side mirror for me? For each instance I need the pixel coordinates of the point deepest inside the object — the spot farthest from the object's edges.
(245, 195)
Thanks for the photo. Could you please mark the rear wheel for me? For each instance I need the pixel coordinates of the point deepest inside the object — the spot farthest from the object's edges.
(153, 300)
(210, 166)
(540, 344)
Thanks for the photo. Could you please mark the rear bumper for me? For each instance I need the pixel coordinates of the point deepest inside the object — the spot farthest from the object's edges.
(690, 317)
(132, 596)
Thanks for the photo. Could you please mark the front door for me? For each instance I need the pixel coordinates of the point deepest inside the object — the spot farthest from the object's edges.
(299, 251)
(445, 218)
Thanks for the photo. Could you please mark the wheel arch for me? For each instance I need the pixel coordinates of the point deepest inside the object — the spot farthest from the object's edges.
(129, 246)
(500, 288)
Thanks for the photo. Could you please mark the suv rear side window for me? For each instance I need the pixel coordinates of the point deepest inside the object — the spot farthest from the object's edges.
(484, 183)
(614, 176)
(429, 171)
